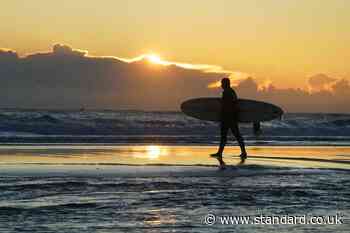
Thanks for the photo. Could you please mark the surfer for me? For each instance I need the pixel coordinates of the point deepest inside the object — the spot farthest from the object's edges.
(229, 120)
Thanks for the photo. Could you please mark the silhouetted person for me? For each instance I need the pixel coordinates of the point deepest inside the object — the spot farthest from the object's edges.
(229, 120)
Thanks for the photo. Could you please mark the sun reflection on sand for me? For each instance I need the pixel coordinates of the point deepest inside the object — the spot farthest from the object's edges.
(151, 152)
(315, 156)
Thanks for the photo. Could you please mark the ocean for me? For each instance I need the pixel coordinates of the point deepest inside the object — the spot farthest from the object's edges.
(137, 171)
(33, 126)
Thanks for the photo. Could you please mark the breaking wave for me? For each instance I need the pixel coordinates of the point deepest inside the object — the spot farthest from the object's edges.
(164, 127)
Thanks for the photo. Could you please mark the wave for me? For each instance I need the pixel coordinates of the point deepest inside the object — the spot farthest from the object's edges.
(168, 127)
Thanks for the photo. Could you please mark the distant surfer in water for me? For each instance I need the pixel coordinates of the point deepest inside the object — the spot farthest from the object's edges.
(229, 120)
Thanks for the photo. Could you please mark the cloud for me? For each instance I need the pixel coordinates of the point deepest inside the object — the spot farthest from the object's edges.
(65, 50)
(341, 88)
(299, 100)
(234, 76)
(71, 78)
(320, 81)
(7, 55)
(153, 58)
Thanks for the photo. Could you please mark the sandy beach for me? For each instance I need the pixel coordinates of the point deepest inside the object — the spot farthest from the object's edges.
(167, 188)
(337, 157)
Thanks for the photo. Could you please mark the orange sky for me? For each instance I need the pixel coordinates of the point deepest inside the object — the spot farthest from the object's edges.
(282, 41)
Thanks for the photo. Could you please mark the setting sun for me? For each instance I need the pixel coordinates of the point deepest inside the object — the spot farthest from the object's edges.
(154, 58)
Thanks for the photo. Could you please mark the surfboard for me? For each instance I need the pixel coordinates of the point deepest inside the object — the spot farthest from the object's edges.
(209, 109)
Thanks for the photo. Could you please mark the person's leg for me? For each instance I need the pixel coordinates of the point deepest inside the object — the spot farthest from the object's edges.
(235, 130)
(223, 139)
(221, 162)
(224, 130)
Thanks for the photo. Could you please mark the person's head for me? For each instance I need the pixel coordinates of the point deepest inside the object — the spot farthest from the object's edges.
(225, 83)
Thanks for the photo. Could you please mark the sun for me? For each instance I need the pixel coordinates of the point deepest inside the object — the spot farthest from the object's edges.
(154, 58)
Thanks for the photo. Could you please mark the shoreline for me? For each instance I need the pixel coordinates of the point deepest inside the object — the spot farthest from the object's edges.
(330, 157)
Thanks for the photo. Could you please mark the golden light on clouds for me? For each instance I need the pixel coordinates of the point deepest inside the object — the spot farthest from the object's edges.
(154, 58)
(234, 76)
(207, 68)
(266, 84)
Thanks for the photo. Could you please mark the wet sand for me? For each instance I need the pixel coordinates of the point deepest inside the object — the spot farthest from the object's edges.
(150, 188)
(109, 159)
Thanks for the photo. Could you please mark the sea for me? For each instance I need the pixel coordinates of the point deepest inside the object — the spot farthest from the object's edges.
(150, 171)
(34, 126)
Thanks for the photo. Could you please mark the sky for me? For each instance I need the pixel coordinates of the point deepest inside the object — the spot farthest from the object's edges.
(290, 45)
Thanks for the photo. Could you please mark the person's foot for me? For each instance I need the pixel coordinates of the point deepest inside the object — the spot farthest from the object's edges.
(243, 157)
(222, 166)
(216, 155)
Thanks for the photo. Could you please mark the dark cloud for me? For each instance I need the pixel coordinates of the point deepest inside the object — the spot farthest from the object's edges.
(67, 78)
(70, 78)
(7, 55)
(300, 100)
